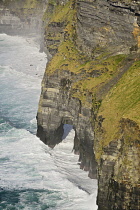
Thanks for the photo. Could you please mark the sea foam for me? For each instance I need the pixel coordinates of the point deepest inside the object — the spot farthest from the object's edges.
(32, 175)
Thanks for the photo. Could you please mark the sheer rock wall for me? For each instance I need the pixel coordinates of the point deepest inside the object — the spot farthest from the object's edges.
(99, 30)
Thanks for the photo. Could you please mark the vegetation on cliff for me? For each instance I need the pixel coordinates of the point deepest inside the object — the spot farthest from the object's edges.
(104, 84)
(97, 77)
(123, 101)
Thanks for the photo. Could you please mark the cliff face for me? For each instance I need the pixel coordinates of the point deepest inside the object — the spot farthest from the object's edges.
(104, 24)
(92, 82)
(118, 169)
(21, 17)
(57, 105)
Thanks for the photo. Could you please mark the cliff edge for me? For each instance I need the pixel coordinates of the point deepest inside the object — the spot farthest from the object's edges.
(92, 82)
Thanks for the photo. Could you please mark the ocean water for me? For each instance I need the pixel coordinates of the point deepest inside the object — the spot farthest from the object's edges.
(32, 175)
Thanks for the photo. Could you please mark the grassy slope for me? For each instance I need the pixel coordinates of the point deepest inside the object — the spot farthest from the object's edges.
(123, 101)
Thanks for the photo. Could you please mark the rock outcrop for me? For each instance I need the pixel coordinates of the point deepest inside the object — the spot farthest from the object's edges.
(118, 171)
(104, 24)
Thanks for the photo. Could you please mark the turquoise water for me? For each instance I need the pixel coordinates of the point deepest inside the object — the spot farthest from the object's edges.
(32, 175)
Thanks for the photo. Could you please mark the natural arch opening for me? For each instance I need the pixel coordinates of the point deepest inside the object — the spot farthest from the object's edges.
(67, 129)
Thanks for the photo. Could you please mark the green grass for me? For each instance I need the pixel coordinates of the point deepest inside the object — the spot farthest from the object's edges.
(67, 58)
(107, 68)
(60, 13)
(123, 101)
(31, 4)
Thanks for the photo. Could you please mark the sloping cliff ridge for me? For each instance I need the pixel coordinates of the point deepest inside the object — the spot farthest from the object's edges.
(92, 82)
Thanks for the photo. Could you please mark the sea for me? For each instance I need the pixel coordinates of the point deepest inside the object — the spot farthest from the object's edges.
(32, 175)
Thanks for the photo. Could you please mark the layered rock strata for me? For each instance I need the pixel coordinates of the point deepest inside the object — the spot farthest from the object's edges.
(118, 171)
(104, 24)
(94, 47)
(56, 108)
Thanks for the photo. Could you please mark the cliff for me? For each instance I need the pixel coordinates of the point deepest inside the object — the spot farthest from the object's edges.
(92, 82)
(19, 17)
